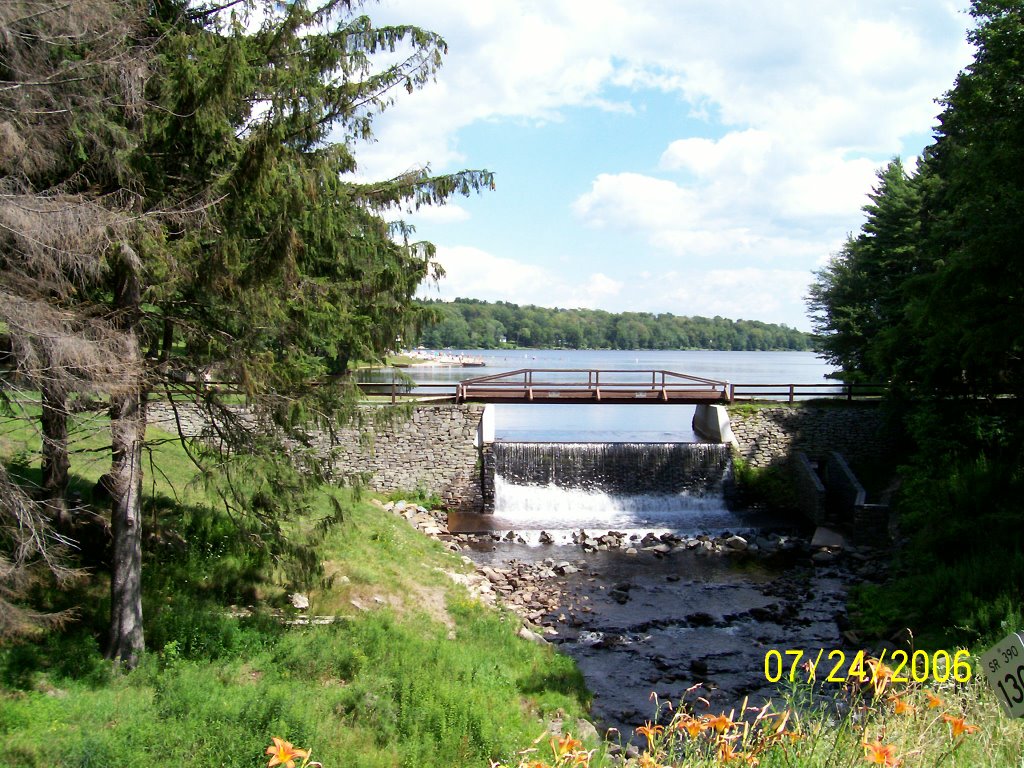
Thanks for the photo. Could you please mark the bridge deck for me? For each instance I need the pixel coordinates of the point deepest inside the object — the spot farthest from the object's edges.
(592, 386)
(550, 385)
(596, 395)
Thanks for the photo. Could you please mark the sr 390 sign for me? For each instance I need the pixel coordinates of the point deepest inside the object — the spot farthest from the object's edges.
(1004, 669)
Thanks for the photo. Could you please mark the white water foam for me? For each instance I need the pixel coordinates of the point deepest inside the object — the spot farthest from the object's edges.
(529, 509)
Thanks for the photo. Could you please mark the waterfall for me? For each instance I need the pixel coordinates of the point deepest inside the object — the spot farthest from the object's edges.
(626, 486)
(615, 468)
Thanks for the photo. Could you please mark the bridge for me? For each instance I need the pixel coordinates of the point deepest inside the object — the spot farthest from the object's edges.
(608, 386)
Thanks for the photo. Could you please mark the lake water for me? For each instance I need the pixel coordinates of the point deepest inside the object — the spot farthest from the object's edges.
(616, 423)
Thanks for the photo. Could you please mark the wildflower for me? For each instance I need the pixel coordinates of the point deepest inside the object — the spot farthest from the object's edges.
(650, 732)
(283, 753)
(934, 702)
(900, 706)
(810, 668)
(726, 754)
(691, 725)
(647, 761)
(878, 754)
(773, 728)
(720, 723)
(565, 745)
(958, 726)
(880, 675)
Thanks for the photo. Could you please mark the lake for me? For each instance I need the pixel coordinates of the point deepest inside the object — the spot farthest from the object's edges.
(616, 423)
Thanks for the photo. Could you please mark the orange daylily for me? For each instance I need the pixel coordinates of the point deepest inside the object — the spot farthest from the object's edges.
(880, 675)
(720, 723)
(773, 727)
(283, 753)
(934, 702)
(691, 725)
(726, 754)
(811, 669)
(647, 760)
(565, 745)
(878, 754)
(958, 726)
(650, 732)
(900, 706)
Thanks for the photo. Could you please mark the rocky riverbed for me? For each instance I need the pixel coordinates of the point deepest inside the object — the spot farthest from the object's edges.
(659, 614)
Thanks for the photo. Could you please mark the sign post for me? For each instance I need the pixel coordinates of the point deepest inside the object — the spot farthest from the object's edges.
(1004, 669)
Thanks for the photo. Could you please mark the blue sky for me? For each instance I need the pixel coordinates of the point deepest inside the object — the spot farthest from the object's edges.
(699, 157)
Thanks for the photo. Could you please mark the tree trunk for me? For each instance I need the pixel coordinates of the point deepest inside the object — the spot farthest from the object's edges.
(128, 430)
(56, 463)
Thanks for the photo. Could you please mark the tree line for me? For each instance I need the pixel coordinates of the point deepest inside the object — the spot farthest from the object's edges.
(473, 324)
(176, 201)
(929, 296)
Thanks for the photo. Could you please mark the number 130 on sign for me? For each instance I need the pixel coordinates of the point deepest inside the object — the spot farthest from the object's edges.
(1004, 668)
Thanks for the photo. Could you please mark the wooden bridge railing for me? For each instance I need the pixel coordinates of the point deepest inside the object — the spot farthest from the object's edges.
(793, 392)
(569, 384)
(611, 385)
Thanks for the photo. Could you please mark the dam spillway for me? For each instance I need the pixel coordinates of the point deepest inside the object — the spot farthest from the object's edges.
(615, 468)
(605, 486)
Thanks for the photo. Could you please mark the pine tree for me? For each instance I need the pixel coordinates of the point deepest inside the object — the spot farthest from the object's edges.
(287, 268)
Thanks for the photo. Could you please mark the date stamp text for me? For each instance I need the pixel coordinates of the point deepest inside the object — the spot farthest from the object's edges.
(837, 666)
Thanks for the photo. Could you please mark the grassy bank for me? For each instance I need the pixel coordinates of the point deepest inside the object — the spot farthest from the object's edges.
(410, 672)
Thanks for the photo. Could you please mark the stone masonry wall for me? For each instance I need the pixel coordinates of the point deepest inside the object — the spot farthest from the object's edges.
(433, 450)
(772, 434)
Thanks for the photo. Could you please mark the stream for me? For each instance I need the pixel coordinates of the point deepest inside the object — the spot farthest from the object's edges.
(672, 599)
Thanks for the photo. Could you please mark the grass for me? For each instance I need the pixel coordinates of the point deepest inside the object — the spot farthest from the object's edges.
(820, 725)
(410, 673)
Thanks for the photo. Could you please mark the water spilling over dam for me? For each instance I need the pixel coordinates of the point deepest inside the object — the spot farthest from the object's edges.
(561, 488)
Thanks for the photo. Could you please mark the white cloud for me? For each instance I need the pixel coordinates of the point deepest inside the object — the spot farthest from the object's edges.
(861, 74)
(800, 103)
(743, 152)
(751, 293)
(704, 224)
(449, 213)
(762, 294)
(474, 273)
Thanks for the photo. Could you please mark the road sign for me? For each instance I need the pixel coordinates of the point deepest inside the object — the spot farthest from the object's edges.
(1004, 669)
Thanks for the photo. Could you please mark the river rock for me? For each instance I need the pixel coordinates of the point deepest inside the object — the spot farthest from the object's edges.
(619, 596)
(299, 601)
(586, 732)
(826, 537)
(823, 557)
(737, 543)
(533, 637)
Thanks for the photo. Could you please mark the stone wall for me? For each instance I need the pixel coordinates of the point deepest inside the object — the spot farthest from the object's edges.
(433, 450)
(771, 434)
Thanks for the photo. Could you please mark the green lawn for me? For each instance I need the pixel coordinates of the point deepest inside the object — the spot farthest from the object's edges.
(411, 673)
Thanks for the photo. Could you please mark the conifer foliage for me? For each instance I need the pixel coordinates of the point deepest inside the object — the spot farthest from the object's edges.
(929, 293)
(184, 208)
